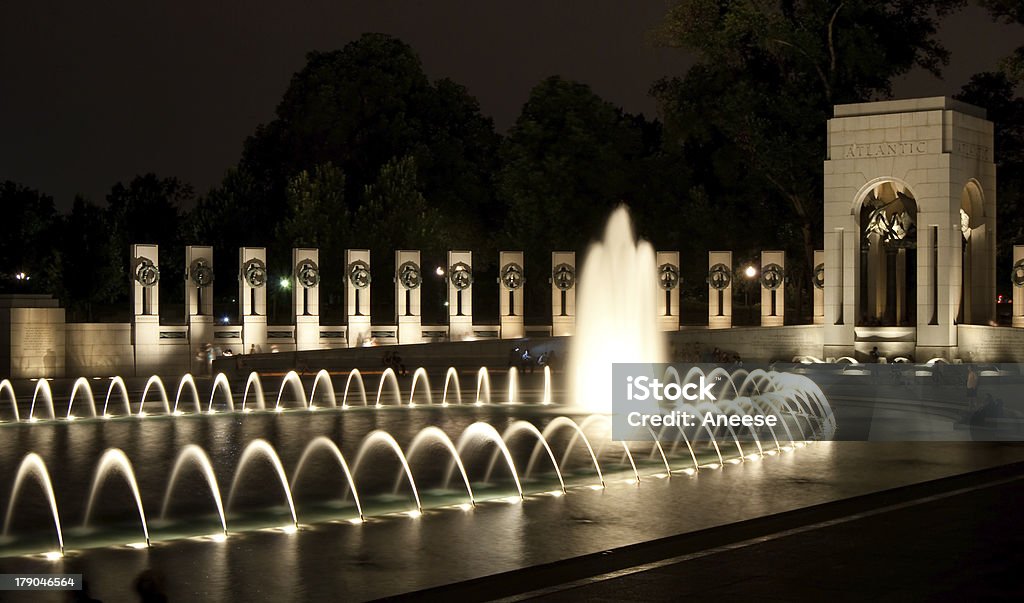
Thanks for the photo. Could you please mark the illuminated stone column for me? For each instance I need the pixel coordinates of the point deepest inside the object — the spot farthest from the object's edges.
(252, 298)
(460, 295)
(773, 288)
(719, 289)
(357, 289)
(818, 280)
(145, 273)
(408, 311)
(1018, 286)
(511, 280)
(563, 293)
(198, 297)
(669, 311)
(306, 298)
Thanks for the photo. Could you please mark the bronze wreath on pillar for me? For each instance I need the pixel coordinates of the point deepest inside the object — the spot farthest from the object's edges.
(719, 277)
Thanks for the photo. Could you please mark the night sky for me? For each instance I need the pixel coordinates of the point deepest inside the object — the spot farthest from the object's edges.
(93, 93)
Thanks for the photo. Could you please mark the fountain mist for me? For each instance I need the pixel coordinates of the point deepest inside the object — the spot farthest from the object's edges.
(616, 319)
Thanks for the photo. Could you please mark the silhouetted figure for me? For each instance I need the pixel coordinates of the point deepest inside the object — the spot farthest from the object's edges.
(150, 588)
(874, 354)
(527, 362)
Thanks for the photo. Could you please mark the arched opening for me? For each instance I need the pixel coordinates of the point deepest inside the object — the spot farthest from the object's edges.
(974, 265)
(888, 256)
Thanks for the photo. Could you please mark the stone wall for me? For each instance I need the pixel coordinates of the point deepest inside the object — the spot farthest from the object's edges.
(99, 350)
(33, 343)
(990, 344)
(753, 343)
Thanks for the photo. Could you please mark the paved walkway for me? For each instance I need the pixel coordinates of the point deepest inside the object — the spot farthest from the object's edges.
(955, 539)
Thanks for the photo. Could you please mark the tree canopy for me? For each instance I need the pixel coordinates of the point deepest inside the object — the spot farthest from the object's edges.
(768, 74)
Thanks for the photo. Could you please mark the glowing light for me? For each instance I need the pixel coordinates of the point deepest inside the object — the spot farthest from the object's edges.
(290, 529)
(106, 416)
(513, 500)
(138, 545)
(356, 521)
(246, 410)
(177, 413)
(72, 417)
(414, 514)
(466, 507)
(734, 461)
(33, 419)
(312, 407)
(285, 283)
(219, 537)
(279, 409)
(555, 493)
(53, 556)
(597, 487)
(689, 471)
(439, 272)
(750, 272)
(141, 414)
(753, 457)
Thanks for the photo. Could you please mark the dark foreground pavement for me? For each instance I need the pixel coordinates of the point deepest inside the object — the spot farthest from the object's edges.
(954, 539)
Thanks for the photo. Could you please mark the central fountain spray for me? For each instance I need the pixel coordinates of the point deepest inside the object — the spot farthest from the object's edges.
(616, 319)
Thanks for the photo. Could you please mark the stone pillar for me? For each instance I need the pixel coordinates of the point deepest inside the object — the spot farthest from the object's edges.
(937, 154)
(145, 274)
(306, 298)
(252, 298)
(199, 299)
(669, 311)
(773, 288)
(719, 289)
(408, 311)
(818, 291)
(1018, 290)
(357, 289)
(563, 293)
(460, 295)
(511, 279)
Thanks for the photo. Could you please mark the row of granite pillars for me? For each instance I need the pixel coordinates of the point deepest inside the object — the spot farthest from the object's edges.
(153, 344)
(253, 278)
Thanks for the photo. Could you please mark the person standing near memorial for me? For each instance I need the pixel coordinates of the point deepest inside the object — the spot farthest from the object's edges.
(972, 387)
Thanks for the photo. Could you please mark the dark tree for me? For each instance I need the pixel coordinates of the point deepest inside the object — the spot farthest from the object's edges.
(995, 93)
(91, 264)
(768, 74)
(360, 107)
(148, 210)
(28, 261)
